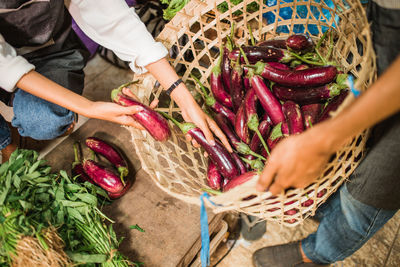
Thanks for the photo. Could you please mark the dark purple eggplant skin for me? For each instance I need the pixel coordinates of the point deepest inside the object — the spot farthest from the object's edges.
(250, 103)
(239, 163)
(310, 114)
(78, 170)
(221, 109)
(300, 42)
(102, 176)
(217, 153)
(269, 102)
(153, 122)
(108, 151)
(261, 53)
(226, 70)
(237, 86)
(304, 96)
(264, 128)
(117, 195)
(241, 179)
(279, 43)
(271, 145)
(279, 66)
(333, 105)
(293, 116)
(241, 127)
(255, 144)
(217, 88)
(226, 127)
(214, 178)
(303, 78)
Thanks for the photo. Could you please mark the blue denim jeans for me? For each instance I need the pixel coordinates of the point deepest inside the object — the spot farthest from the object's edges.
(38, 118)
(345, 225)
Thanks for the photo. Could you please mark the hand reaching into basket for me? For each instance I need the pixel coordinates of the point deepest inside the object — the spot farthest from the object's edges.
(300, 159)
(191, 111)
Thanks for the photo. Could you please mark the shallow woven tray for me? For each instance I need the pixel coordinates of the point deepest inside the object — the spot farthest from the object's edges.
(196, 33)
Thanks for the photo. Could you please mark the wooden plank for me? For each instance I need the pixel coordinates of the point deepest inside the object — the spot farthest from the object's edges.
(172, 227)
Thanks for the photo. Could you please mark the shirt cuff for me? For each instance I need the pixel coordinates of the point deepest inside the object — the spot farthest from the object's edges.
(158, 51)
(12, 72)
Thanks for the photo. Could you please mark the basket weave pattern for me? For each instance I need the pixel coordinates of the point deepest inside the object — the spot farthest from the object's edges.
(180, 169)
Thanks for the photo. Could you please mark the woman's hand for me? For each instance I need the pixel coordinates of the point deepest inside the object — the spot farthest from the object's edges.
(117, 113)
(192, 112)
(297, 161)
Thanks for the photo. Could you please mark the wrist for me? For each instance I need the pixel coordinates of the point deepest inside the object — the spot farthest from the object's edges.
(182, 96)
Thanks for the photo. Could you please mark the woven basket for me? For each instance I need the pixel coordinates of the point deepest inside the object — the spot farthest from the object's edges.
(180, 169)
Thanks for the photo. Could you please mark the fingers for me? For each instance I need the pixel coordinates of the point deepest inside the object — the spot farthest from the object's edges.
(128, 92)
(129, 121)
(267, 176)
(275, 189)
(194, 143)
(218, 132)
(154, 103)
(207, 133)
(132, 110)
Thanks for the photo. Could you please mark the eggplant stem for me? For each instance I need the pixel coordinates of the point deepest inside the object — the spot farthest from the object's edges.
(76, 154)
(202, 87)
(246, 60)
(212, 191)
(251, 35)
(256, 155)
(121, 176)
(321, 40)
(306, 60)
(92, 155)
(262, 141)
(184, 127)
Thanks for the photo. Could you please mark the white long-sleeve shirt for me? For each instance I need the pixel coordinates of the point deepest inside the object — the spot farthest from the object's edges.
(112, 24)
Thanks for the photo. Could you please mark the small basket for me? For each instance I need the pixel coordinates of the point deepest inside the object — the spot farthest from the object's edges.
(180, 169)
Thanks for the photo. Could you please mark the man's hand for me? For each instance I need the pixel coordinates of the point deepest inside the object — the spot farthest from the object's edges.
(297, 161)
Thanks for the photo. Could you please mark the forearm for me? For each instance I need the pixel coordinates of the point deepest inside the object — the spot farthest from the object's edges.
(380, 101)
(166, 75)
(38, 85)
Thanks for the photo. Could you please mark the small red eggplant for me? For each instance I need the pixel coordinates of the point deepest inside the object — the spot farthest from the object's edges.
(127, 186)
(241, 179)
(262, 53)
(109, 152)
(300, 42)
(214, 177)
(293, 117)
(277, 43)
(333, 105)
(310, 114)
(103, 177)
(154, 123)
(241, 128)
(217, 153)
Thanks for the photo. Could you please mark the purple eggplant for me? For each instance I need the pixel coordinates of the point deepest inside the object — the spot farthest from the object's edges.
(241, 179)
(262, 53)
(214, 104)
(309, 95)
(310, 114)
(300, 42)
(239, 163)
(293, 116)
(241, 128)
(109, 152)
(102, 176)
(217, 87)
(217, 153)
(234, 140)
(269, 102)
(153, 122)
(333, 105)
(119, 194)
(255, 143)
(303, 78)
(214, 178)
(277, 43)
(237, 86)
(226, 69)
(279, 66)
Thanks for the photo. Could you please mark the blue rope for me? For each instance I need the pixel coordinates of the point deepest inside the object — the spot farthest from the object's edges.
(205, 236)
(350, 82)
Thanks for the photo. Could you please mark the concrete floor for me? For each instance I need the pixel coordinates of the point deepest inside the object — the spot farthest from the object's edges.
(382, 250)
